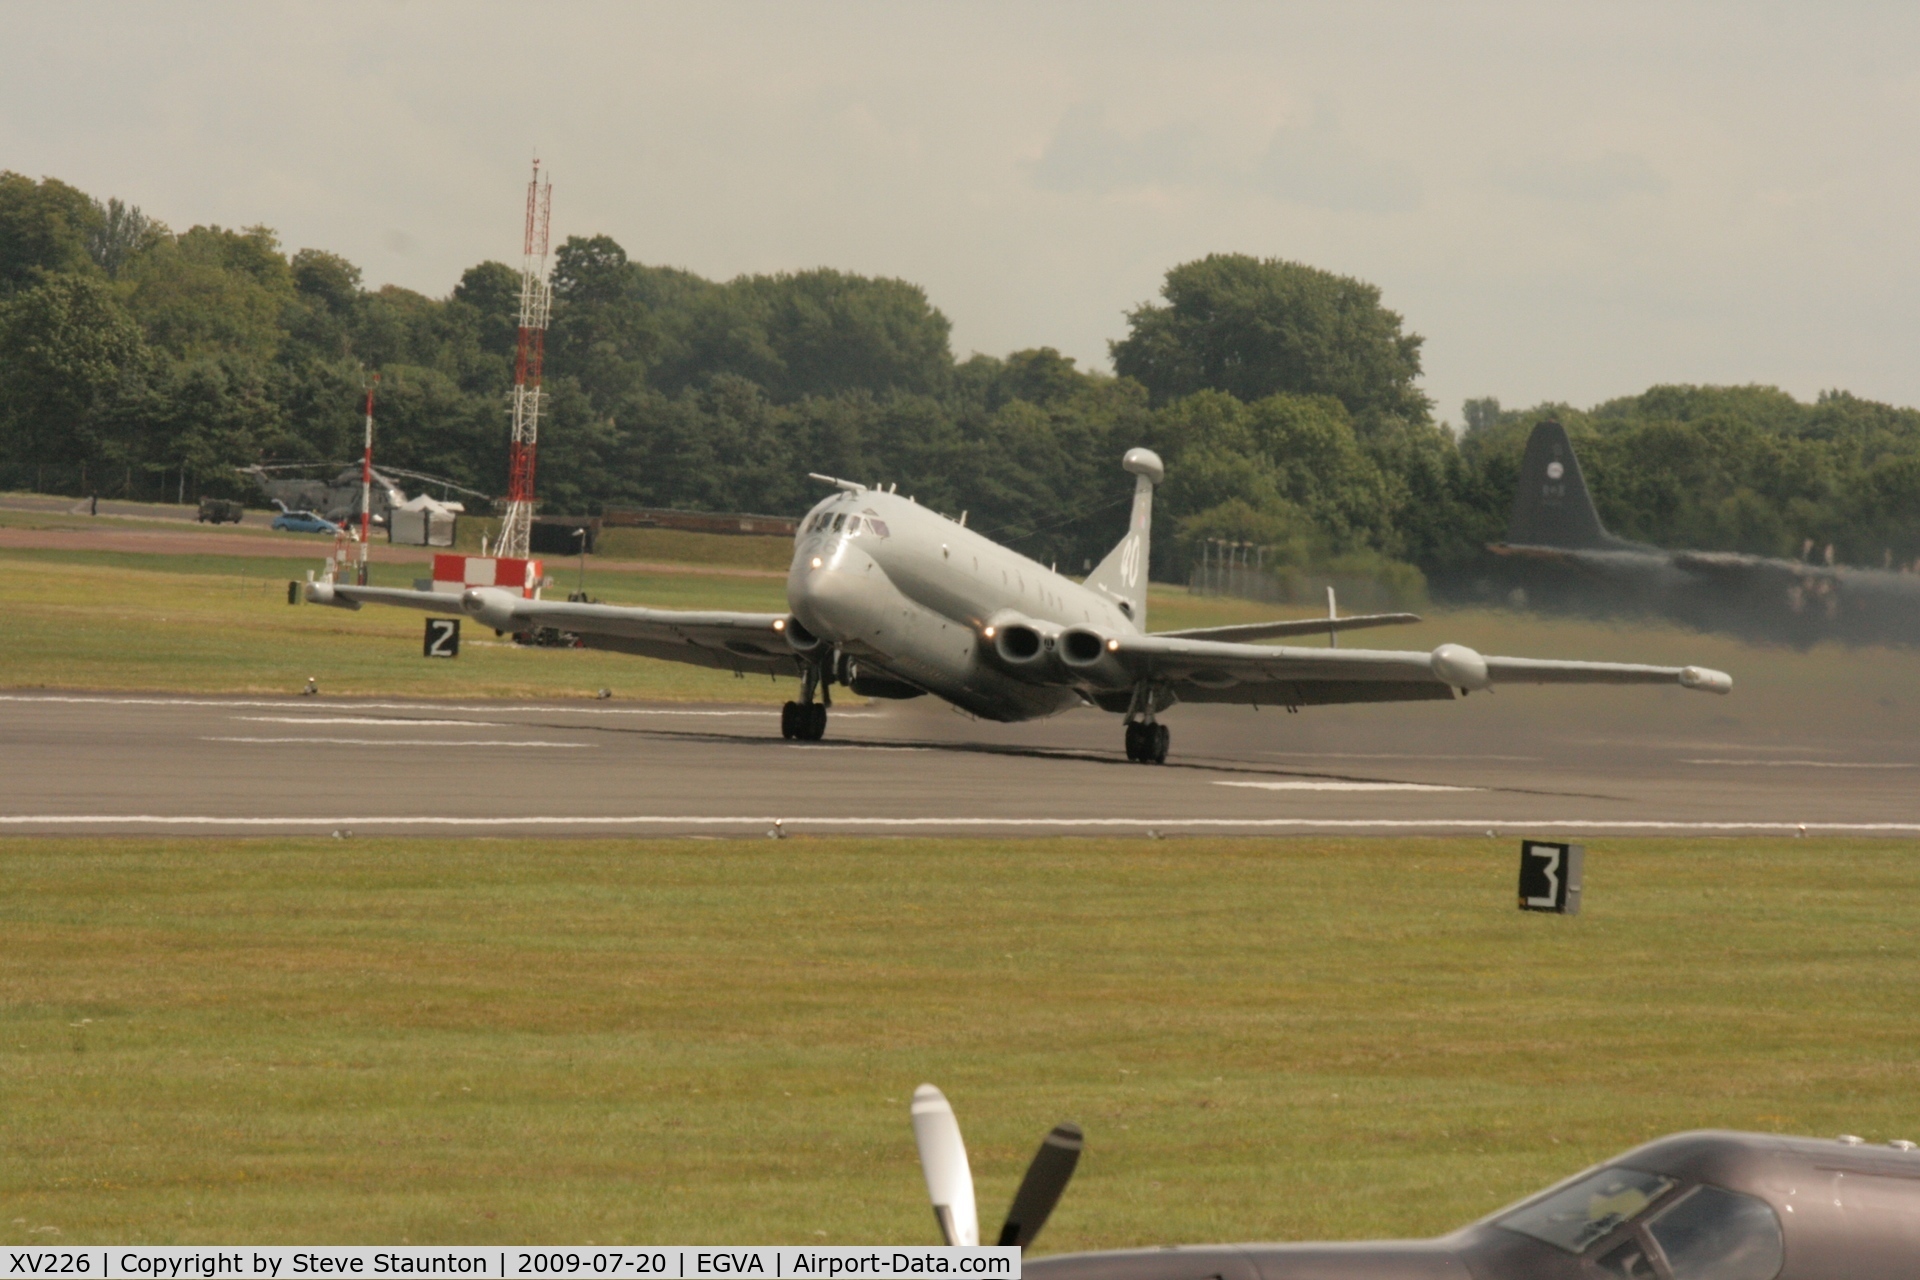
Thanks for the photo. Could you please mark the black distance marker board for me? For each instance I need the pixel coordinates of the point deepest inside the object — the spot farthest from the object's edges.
(1550, 876)
(443, 638)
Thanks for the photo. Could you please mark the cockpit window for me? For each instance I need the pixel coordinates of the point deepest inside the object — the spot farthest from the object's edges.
(1711, 1234)
(1576, 1216)
(879, 527)
(838, 521)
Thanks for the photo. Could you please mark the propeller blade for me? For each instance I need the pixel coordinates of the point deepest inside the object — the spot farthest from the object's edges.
(943, 1158)
(1040, 1190)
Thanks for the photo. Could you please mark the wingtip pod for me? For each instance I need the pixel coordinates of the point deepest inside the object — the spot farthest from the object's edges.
(1461, 667)
(489, 605)
(322, 592)
(1706, 679)
(943, 1159)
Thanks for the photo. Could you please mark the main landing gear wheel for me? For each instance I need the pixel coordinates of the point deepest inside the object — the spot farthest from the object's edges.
(803, 721)
(1148, 743)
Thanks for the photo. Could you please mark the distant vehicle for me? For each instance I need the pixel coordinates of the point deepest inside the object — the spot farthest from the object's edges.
(1710, 1205)
(304, 522)
(894, 601)
(220, 511)
(1562, 556)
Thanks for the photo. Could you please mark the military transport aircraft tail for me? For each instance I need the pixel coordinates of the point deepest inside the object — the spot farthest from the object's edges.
(1551, 505)
(1122, 576)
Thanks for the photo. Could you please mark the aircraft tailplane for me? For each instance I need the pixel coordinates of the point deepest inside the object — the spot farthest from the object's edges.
(1122, 576)
(1551, 505)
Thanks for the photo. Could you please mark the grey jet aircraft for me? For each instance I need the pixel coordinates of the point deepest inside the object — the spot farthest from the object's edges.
(1562, 555)
(1708, 1205)
(893, 600)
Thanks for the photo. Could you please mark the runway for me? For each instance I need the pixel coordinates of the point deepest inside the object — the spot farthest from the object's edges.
(126, 764)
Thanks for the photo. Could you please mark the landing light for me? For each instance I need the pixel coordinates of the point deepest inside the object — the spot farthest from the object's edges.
(779, 624)
(987, 632)
(1113, 646)
(816, 562)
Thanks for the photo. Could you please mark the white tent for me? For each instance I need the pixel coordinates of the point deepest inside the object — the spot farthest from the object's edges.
(422, 522)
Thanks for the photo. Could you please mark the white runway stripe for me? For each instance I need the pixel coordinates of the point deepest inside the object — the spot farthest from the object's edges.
(398, 742)
(1506, 825)
(1808, 764)
(382, 720)
(496, 708)
(1316, 785)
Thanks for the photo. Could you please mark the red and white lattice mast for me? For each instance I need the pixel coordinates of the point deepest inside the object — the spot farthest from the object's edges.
(535, 302)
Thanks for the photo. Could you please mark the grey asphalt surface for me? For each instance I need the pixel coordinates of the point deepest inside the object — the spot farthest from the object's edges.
(115, 763)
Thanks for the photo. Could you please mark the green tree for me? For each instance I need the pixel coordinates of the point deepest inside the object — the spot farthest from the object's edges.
(119, 233)
(212, 291)
(44, 227)
(66, 344)
(1255, 327)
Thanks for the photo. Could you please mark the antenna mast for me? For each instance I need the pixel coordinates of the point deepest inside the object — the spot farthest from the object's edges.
(535, 302)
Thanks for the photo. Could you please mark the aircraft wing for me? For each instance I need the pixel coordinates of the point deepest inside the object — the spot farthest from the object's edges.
(707, 638)
(1214, 671)
(1293, 627)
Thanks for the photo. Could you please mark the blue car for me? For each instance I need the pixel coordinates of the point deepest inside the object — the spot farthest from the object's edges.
(304, 522)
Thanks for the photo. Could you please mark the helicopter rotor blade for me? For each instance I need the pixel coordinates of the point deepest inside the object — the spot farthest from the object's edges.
(1040, 1190)
(943, 1159)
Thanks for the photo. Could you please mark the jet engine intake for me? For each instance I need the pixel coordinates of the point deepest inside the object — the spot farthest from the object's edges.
(1019, 644)
(1026, 645)
(1090, 657)
(801, 639)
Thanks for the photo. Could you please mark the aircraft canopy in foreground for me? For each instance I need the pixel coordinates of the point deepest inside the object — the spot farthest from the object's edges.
(893, 600)
(1709, 1205)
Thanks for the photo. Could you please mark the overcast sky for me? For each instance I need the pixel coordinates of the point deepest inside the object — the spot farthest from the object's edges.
(1570, 202)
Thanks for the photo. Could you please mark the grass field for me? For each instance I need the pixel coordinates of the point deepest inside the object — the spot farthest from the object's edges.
(377, 1041)
(211, 623)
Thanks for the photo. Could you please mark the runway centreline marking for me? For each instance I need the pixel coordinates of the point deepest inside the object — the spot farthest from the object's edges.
(1810, 764)
(1346, 786)
(344, 704)
(1388, 755)
(710, 820)
(396, 742)
(382, 720)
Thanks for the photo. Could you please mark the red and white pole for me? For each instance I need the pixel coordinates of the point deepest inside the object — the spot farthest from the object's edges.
(366, 485)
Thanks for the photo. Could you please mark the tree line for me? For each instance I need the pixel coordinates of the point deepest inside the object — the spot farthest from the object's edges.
(136, 361)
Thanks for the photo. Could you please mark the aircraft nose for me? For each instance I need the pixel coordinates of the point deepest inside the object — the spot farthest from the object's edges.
(829, 592)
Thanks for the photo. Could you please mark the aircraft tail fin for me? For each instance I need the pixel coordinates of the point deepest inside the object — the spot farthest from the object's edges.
(1551, 505)
(1122, 576)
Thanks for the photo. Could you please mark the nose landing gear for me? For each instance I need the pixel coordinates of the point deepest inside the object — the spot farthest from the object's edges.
(803, 721)
(806, 720)
(1147, 742)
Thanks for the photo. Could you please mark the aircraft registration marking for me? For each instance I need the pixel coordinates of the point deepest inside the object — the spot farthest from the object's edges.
(1336, 785)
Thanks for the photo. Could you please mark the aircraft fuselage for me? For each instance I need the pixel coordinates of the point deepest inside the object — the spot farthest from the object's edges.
(905, 592)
